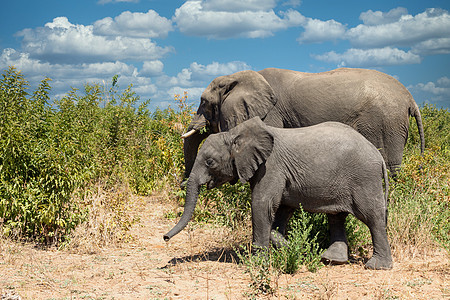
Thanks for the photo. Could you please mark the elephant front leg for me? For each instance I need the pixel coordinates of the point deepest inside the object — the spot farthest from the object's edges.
(337, 253)
(266, 198)
(261, 224)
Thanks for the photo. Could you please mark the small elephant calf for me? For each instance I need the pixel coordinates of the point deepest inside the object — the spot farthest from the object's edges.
(327, 168)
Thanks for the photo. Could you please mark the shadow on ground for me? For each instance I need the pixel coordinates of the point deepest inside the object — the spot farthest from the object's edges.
(225, 255)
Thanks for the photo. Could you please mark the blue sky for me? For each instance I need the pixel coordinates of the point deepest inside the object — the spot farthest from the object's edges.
(167, 47)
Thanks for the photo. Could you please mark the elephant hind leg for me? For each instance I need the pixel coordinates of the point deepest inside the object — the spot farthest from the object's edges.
(394, 156)
(374, 216)
(381, 258)
(337, 253)
(394, 146)
(278, 233)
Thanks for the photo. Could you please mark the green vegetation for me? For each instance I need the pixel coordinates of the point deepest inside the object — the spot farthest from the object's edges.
(54, 153)
(420, 199)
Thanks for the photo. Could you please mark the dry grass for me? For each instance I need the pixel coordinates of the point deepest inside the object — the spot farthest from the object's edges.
(409, 241)
(111, 214)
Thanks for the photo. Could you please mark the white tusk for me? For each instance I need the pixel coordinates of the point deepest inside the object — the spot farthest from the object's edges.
(188, 134)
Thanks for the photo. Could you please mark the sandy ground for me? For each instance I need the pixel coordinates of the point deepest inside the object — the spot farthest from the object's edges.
(196, 265)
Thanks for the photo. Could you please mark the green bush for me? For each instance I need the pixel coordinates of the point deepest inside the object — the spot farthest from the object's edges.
(420, 196)
(301, 249)
(35, 187)
(51, 150)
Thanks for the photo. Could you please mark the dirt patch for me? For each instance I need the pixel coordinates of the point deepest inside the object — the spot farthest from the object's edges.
(197, 264)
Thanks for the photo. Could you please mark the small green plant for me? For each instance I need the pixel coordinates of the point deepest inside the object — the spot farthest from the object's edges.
(258, 266)
(300, 250)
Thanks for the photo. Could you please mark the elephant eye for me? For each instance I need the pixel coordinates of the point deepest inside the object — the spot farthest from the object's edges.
(209, 162)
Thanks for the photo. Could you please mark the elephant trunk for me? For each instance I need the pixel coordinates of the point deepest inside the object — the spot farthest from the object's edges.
(193, 189)
(192, 142)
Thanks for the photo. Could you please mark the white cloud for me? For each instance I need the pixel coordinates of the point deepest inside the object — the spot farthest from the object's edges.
(128, 24)
(152, 68)
(370, 57)
(238, 5)
(384, 38)
(198, 75)
(216, 69)
(431, 87)
(60, 41)
(407, 31)
(438, 91)
(25, 63)
(433, 46)
(444, 81)
(192, 18)
(441, 87)
(378, 17)
(65, 76)
(317, 31)
(148, 82)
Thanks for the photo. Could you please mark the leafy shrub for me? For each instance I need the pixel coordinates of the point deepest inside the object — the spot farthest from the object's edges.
(300, 250)
(35, 188)
(258, 266)
(420, 197)
(51, 150)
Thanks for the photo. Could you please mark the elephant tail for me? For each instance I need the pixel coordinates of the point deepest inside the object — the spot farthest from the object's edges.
(386, 188)
(415, 112)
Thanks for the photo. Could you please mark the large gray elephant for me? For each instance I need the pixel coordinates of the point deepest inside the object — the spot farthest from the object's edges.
(328, 168)
(373, 103)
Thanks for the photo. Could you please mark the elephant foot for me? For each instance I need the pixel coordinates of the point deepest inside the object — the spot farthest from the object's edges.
(379, 263)
(277, 239)
(337, 253)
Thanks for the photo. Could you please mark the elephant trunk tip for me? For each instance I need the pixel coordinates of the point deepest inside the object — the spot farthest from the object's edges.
(170, 234)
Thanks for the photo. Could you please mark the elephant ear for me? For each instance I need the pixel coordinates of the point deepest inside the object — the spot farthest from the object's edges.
(245, 95)
(252, 144)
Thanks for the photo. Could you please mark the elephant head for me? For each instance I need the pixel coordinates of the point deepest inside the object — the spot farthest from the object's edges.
(226, 157)
(226, 102)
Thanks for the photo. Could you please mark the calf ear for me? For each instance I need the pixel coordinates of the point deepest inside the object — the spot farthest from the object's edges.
(252, 145)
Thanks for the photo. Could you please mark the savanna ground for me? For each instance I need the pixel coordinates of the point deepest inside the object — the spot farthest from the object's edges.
(89, 183)
(198, 264)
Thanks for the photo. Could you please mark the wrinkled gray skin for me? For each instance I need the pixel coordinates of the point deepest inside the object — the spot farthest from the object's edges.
(328, 168)
(373, 103)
